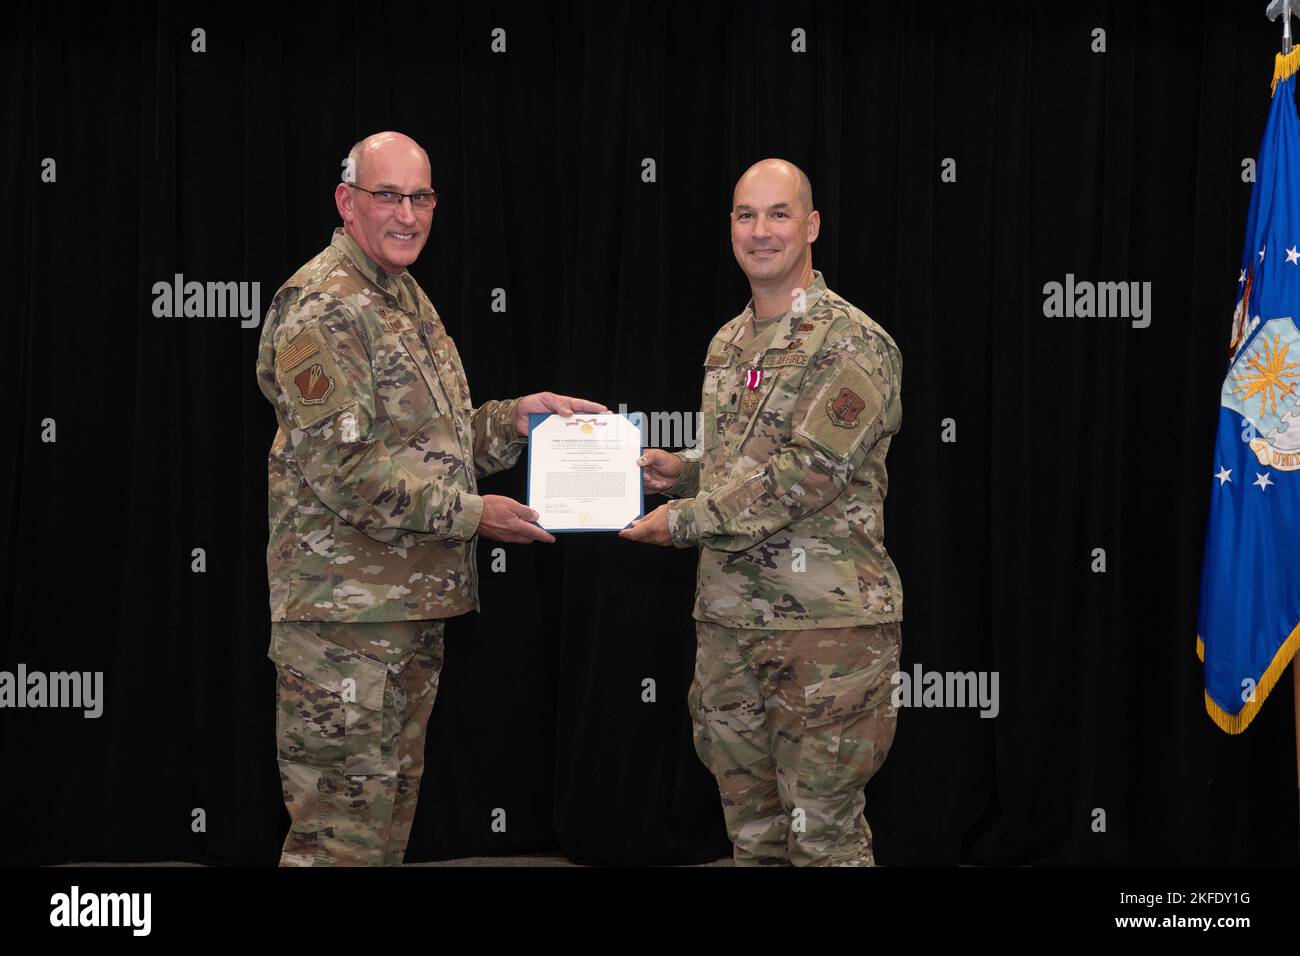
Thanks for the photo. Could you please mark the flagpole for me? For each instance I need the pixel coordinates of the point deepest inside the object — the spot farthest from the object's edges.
(1283, 8)
(1295, 662)
(1295, 693)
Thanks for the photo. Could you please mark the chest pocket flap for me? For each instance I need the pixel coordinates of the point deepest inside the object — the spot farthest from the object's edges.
(403, 386)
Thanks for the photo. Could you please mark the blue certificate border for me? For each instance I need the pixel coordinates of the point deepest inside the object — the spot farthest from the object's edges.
(535, 419)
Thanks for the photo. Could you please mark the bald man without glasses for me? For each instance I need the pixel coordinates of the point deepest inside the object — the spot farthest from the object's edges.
(374, 511)
(798, 606)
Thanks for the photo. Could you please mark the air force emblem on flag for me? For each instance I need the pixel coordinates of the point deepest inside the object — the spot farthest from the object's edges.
(1263, 387)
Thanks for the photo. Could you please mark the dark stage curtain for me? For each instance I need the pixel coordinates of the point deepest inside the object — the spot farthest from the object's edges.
(1071, 434)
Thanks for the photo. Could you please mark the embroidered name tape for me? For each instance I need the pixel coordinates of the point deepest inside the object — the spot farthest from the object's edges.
(785, 358)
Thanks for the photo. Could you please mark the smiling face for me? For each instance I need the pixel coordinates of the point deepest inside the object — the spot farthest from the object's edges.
(772, 228)
(390, 235)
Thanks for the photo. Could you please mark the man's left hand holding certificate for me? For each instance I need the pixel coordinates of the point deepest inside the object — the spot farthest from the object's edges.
(583, 473)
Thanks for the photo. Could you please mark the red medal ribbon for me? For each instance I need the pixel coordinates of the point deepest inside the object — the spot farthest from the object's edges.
(753, 377)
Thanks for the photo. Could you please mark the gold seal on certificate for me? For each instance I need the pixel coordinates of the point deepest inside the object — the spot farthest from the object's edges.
(582, 471)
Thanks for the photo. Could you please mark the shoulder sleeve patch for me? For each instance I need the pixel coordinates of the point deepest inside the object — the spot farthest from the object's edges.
(842, 412)
(308, 375)
(303, 346)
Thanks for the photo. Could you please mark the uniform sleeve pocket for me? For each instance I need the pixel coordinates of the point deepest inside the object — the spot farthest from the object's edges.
(310, 380)
(844, 412)
(736, 501)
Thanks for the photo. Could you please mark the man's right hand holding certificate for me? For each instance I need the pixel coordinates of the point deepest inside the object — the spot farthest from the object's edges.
(659, 469)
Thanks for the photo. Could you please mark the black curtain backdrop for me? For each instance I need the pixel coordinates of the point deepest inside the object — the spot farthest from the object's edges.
(1071, 434)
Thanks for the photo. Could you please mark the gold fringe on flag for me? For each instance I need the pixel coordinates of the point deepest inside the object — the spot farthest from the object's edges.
(1284, 66)
(1236, 723)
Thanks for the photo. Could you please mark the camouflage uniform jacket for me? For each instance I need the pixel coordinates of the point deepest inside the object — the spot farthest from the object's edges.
(788, 493)
(371, 476)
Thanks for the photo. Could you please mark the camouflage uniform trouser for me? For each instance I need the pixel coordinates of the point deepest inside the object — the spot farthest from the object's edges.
(793, 724)
(353, 704)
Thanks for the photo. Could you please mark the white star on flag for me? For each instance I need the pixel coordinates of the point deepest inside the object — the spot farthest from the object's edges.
(1261, 252)
(1241, 278)
(1263, 481)
(1223, 475)
(1292, 256)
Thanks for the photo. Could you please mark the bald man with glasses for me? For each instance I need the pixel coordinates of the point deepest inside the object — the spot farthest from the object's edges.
(374, 511)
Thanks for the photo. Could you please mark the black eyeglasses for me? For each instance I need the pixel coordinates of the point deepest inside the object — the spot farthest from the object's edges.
(387, 197)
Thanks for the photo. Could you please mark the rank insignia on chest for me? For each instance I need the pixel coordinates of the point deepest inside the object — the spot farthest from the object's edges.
(845, 408)
(314, 386)
(395, 321)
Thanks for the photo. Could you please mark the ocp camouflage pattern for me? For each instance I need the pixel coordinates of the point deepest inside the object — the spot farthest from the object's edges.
(372, 492)
(352, 705)
(787, 499)
(795, 724)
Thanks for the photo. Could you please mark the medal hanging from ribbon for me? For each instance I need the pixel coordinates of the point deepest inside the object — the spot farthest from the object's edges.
(753, 378)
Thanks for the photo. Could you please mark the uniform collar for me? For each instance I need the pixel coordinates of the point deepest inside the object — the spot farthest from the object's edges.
(782, 332)
(388, 284)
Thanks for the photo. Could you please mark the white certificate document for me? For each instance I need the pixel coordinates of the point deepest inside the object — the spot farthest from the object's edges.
(582, 471)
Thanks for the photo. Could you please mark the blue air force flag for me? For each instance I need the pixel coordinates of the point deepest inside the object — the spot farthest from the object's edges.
(1249, 614)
